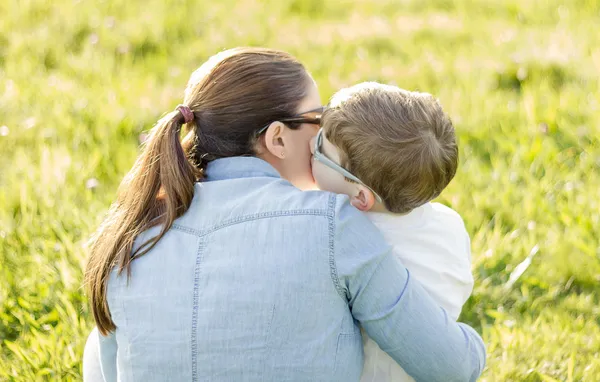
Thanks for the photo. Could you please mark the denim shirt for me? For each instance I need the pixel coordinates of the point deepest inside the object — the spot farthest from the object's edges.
(259, 281)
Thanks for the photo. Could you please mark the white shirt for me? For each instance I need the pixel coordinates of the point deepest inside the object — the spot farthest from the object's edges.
(440, 259)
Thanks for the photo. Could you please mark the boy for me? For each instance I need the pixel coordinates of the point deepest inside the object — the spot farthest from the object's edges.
(392, 151)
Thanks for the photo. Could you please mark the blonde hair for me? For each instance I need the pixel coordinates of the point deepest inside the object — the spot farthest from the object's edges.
(231, 96)
(400, 143)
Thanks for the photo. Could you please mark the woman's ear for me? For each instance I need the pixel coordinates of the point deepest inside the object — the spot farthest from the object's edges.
(364, 198)
(274, 139)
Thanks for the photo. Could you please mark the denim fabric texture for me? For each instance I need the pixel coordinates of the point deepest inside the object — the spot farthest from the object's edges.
(259, 281)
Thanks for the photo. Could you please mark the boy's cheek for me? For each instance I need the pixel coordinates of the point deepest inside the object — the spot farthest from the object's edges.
(315, 172)
(320, 178)
(311, 145)
(327, 179)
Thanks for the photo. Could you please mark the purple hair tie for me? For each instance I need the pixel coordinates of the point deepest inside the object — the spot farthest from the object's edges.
(188, 115)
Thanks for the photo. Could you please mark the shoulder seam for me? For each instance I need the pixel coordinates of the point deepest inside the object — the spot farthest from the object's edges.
(246, 218)
(332, 264)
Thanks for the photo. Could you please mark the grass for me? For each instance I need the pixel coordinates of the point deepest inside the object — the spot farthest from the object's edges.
(80, 81)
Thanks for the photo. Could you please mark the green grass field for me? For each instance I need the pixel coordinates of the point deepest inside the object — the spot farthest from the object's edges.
(81, 80)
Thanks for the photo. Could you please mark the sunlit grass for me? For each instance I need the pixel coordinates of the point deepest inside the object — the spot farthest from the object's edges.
(80, 81)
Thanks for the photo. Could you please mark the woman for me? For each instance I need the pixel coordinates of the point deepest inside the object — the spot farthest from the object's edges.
(213, 265)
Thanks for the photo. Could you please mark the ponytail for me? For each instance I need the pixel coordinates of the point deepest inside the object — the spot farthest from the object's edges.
(158, 189)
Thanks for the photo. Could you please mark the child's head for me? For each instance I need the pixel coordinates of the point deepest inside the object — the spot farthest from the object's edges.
(401, 144)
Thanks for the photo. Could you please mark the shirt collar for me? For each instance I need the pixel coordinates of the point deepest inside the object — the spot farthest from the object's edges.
(239, 167)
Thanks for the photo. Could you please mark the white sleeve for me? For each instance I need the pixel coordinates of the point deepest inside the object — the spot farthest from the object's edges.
(443, 260)
(454, 283)
(457, 280)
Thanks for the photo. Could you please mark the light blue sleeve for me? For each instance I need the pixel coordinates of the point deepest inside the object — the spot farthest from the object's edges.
(108, 356)
(394, 308)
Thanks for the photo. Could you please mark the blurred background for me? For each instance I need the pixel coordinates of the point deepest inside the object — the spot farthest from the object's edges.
(81, 81)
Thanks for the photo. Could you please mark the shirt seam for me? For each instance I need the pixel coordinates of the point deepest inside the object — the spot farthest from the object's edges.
(332, 263)
(247, 218)
(241, 175)
(194, 331)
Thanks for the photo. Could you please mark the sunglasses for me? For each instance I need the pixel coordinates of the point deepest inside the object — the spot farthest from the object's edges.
(300, 118)
(319, 156)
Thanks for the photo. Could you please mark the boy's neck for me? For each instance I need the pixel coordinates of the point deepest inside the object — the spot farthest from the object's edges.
(380, 209)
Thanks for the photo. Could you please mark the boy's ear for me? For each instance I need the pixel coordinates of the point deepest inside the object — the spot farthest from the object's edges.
(364, 198)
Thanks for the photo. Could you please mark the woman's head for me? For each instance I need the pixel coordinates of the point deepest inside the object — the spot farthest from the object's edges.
(239, 91)
(237, 99)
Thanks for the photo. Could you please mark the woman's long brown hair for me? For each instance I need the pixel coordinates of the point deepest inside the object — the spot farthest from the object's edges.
(232, 95)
